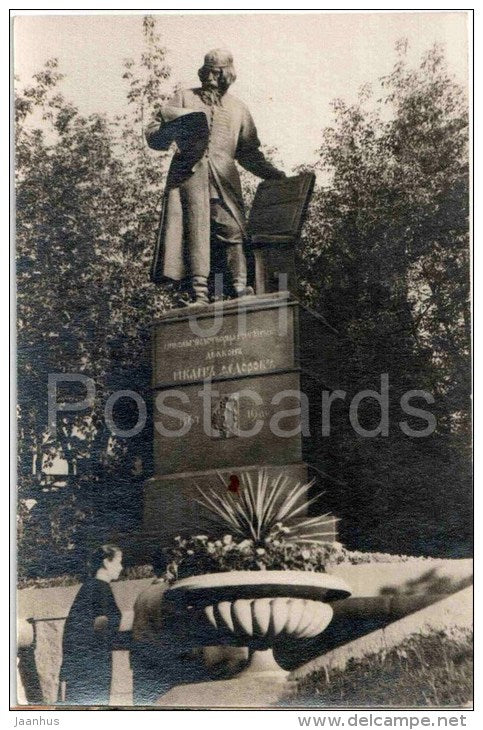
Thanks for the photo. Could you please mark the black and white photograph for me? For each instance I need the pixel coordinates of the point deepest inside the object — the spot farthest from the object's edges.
(243, 361)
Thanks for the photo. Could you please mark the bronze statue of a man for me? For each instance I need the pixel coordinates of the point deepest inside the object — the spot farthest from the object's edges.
(202, 228)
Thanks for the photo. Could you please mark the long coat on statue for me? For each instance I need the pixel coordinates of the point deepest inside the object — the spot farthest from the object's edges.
(184, 232)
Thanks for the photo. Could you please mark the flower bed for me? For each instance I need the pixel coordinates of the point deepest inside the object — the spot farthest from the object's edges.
(200, 554)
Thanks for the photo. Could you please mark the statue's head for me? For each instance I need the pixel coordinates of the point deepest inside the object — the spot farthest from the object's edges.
(217, 72)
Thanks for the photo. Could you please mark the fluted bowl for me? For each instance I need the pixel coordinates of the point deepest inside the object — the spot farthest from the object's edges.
(260, 620)
(257, 607)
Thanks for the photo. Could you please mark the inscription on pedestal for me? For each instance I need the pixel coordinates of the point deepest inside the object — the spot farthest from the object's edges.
(232, 345)
(236, 425)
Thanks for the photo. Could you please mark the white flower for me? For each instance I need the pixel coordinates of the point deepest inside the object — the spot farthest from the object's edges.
(260, 551)
(227, 539)
(202, 538)
(244, 544)
(305, 554)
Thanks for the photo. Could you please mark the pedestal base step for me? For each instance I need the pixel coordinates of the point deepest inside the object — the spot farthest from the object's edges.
(170, 508)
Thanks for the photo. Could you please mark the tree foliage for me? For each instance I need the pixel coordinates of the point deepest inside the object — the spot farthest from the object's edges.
(87, 204)
(385, 258)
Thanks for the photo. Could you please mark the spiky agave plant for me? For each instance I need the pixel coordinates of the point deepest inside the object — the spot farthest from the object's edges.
(258, 508)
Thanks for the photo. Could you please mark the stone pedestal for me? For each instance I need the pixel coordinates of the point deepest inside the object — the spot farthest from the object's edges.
(237, 386)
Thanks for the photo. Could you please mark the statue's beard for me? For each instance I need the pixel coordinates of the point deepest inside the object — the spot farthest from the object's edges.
(211, 96)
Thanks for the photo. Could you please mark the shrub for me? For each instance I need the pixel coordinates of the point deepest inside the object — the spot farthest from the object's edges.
(259, 508)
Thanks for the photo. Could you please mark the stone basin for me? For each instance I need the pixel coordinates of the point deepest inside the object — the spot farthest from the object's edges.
(257, 608)
(263, 583)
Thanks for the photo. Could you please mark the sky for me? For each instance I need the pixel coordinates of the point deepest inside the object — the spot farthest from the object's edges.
(289, 66)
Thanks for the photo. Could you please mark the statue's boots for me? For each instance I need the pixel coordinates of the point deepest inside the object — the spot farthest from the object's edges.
(245, 291)
(200, 291)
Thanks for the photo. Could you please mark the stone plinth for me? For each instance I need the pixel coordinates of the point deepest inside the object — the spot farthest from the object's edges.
(169, 506)
(237, 386)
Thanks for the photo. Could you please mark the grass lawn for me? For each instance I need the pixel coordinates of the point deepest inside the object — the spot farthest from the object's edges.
(434, 670)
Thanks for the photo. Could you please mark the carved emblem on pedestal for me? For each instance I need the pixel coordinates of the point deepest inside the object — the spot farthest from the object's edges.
(225, 416)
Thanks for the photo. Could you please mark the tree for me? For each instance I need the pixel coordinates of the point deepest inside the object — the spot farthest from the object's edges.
(385, 258)
(88, 196)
